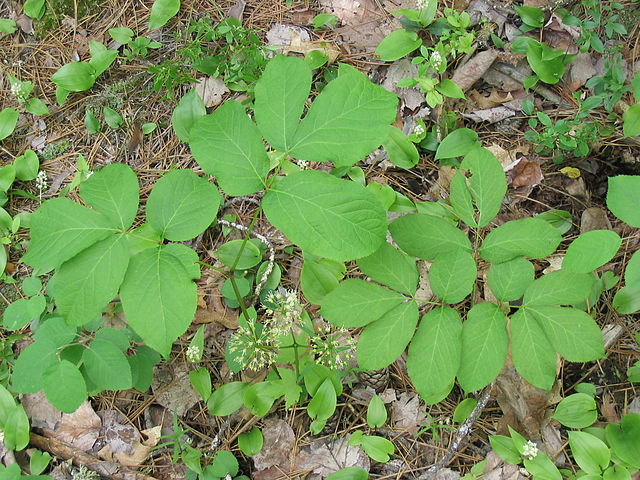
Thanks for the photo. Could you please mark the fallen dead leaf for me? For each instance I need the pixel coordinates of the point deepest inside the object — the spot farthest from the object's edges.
(496, 469)
(490, 115)
(582, 69)
(237, 10)
(117, 434)
(472, 71)
(424, 292)
(555, 263)
(325, 458)
(172, 388)
(442, 474)
(411, 97)
(279, 442)
(526, 173)
(407, 413)
(608, 409)
(576, 188)
(281, 35)
(79, 429)
(480, 9)
(211, 90)
(141, 449)
(298, 45)
(594, 218)
(40, 412)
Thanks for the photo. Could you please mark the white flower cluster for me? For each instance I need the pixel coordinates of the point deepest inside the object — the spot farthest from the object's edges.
(18, 92)
(287, 310)
(422, 4)
(41, 180)
(436, 59)
(332, 348)
(530, 450)
(418, 130)
(193, 353)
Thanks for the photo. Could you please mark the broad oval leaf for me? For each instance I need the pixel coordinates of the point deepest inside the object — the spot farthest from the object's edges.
(402, 152)
(631, 121)
(16, 430)
(589, 452)
(532, 353)
(391, 267)
(75, 76)
(84, 285)
(398, 44)
(576, 411)
(509, 280)
(64, 386)
(228, 145)
(434, 354)
(113, 191)
(182, 205)
(484, 346)
(623, 436)
(349, 473)
(562, 287)
(355, 303)
(384, 340)
(27, 165)
(60, 229)
(106, 366)
(280, 94)
(8, 120)
(530, 237)
(320, 276)
(591, 250)
(159, 297)
(189, 109)
(376, 412)
(627, 300)
(162, 11)
(427, 237)
(227, 399)
(324, 401)
(23, 311)
(346, 122)
(453, 275)
(249, 256)
(572, 332)
(623, 198)
(457, 144)
(326, 216)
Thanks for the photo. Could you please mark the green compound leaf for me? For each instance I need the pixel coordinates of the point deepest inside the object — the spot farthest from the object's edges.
(591, 250)
(562, 287)
(434, 354)
(530, 237)
(34, 360)
(572, 332)
(576, 411)
(427, 237)
(453, 275)
(189, 109)
(623, 439)
(384, 340)
(532, 353)
(398, 44)
(402, 152)
(355, 303)
(159, 297)
(106, 366)
(60, 229)
(623, 198)
(326, 216)
(84, 285)
(484, 346)
(8, 120)
(162, 11)
(280, 95)
(114, 192)
(509, 280)
(486, 188)
(182, 205)
(23, 311)
(391, 267)
(75, 77)
(346, 122)
(320, 276)
(64, 386)
(228, 144)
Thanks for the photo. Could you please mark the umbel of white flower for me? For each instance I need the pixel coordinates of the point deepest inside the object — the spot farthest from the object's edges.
(422, 4)
(530, 450)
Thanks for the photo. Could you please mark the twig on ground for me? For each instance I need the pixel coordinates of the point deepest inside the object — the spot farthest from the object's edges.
(519, 77)
(462, 432)
(82, 458)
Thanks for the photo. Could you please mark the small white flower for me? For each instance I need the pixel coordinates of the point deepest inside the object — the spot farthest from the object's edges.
(193, 353)
(530, 450)
(41, 180)
(303, 164)
(418, 130)
(422, 3)
(436, 59)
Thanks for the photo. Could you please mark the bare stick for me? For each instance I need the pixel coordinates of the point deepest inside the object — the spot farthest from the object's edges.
(82, 458)
(462, 432)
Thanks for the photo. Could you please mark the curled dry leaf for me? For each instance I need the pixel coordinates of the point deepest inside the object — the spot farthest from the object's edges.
(424, 292)
(325, 458)
(411, 97)
(172, 387)
(472, 71)
(298, 45)
(526, 173)
(407, 413)
(280, 35)
(496, 469)
(594, 218)
(211, 90)
(141, 449)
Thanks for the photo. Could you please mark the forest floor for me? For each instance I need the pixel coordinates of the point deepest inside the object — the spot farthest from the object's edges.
(421, 434)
